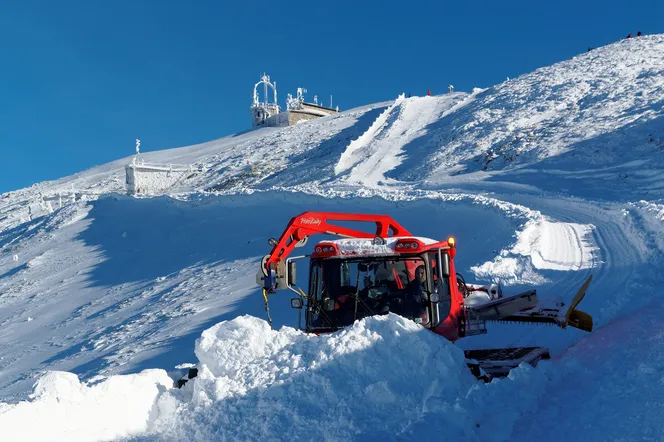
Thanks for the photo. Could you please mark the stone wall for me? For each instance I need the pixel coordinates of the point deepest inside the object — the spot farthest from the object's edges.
(313, 108)
(295, 117)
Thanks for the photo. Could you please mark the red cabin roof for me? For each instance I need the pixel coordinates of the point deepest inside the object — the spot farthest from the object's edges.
(400, 245)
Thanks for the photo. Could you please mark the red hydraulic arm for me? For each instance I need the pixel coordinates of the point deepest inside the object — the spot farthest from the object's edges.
(308, 223)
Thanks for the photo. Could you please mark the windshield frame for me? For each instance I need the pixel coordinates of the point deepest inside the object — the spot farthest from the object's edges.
(319, 316)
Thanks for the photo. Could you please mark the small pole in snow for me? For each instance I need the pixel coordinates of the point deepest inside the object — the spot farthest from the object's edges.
(138, 152)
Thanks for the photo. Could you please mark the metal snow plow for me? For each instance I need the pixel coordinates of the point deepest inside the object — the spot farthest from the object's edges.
(525, 307)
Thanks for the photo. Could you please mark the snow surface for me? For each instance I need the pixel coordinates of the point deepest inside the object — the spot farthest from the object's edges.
(63, 408)
(543, 180)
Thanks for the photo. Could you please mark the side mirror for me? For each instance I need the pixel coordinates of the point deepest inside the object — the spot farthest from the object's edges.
(260, 278)
(362, 267)
(296, 303)
(281, 282)
(292, 274)
(445, 267)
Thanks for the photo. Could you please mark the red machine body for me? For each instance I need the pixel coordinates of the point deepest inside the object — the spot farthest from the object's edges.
(302, 226)
(389, 248)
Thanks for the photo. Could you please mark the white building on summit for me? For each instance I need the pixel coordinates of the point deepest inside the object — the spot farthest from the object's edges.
(266, 113)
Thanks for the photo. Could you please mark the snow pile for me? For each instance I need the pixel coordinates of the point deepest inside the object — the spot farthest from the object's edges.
(382, 377)
(652, 218)
(63, 408)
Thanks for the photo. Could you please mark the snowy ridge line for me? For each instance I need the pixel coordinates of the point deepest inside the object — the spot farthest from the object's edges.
(545, 113)
(541, 243)
(403, 194)
(347, 159)
(216, 158)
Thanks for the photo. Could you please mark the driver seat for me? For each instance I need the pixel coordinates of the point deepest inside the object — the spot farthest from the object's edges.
(386, 275)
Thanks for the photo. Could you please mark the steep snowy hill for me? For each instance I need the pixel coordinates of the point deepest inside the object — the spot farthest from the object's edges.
(543, 179)
(592, 118)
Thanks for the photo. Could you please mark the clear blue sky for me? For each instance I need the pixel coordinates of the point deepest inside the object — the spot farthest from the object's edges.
(80, 80)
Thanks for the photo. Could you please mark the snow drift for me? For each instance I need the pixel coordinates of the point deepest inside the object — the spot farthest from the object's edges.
(63, 408)
(375, 379)
(383, 377)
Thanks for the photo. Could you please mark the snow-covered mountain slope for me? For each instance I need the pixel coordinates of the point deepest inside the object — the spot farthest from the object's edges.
(543, 180)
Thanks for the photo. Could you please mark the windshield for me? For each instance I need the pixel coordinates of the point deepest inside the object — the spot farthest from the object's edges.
(346, 290)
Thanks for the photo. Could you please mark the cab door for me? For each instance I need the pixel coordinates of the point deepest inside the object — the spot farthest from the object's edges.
(448, 304)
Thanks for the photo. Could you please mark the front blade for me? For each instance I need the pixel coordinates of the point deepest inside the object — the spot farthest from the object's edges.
(559, 315)
(581, 320)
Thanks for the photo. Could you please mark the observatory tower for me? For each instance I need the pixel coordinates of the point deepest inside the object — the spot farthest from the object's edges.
(261, 111)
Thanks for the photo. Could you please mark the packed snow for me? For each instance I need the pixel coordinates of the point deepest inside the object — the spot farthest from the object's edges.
(106, 298)
(63, 408)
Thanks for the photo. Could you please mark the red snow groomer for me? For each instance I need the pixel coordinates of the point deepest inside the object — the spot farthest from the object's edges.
(390, 270)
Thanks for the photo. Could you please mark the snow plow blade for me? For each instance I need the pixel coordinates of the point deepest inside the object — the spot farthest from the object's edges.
(581, 320)
(504, 307)
(570, 316)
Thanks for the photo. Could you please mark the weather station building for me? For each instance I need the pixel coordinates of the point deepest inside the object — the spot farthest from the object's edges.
(266, 113)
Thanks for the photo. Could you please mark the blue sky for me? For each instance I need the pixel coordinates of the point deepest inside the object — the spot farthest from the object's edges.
(81, 80)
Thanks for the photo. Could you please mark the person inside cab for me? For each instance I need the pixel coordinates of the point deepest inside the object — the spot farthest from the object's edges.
(415, 303)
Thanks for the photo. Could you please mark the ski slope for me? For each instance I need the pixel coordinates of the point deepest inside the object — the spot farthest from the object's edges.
(543, 180)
